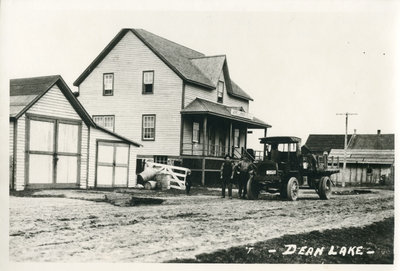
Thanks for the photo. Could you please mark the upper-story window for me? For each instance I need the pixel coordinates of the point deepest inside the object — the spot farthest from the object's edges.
(108, 84)
(148, 127)
(220, 92)
(148, 82)
(105, 121)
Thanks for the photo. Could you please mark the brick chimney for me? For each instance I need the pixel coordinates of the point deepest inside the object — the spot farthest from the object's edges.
(378, 132)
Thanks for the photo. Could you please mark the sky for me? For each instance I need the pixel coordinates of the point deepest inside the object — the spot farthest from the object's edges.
(302, 61)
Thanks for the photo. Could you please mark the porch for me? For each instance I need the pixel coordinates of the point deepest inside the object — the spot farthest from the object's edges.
(210, 131)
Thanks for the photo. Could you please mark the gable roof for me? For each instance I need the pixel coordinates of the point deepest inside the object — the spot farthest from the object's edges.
(210, 66)
(322, 143)
(25, 92)
(201, 106)
(372, 142)
(185, 62)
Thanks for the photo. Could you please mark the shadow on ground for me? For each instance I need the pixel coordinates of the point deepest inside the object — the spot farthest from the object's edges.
(377, 238)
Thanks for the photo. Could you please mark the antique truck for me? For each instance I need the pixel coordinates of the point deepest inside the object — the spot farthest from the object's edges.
(284, 167)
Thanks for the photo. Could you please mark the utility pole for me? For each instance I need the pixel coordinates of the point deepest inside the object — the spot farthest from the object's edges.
(345, 143)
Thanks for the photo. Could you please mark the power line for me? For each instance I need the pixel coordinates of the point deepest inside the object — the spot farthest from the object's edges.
(347, 114)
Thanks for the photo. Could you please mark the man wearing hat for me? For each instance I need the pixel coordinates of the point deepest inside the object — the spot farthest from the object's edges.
(242, 171)
(227, 176)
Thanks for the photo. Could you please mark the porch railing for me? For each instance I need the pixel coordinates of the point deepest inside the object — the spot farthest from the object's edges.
(210, 149)
(217, 150)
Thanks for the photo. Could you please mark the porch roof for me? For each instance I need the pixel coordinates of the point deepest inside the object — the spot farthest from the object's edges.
(204, 107)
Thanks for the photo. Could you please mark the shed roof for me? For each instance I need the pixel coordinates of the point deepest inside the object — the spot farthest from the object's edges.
(366, 156)
(280, 139)
(201, 106)
(25, 92)
(325, 142)
(192, 66)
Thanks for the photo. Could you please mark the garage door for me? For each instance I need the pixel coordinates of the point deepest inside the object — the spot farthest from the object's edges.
(53, 152)
(112, 164)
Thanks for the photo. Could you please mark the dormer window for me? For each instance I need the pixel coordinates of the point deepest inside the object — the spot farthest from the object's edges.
(108, 84)
(148, 82)
(220, 92)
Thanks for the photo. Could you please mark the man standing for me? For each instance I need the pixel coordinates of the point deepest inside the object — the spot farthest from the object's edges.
(227, 176)
(242, 170)
(188, 182)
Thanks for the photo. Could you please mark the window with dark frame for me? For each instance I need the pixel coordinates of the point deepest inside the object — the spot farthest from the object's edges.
(108, 84)
(105, 121)
(220, 92)
(196, 132)
(148, 127)
(148, 82)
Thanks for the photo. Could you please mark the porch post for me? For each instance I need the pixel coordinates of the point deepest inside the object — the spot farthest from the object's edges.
(230, 139)
(245, 138)
(181, 137)
(205, 143)
(265, 145)
(203, 164)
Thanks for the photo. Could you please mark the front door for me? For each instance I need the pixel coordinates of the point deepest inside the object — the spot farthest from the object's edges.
(53, 152)
(112, 164)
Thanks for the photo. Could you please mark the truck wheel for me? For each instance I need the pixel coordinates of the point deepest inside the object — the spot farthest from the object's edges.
(253, 189)
(325, 188)
(292, 189)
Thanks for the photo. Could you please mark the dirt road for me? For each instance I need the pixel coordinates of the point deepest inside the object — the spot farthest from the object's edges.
(73, 230)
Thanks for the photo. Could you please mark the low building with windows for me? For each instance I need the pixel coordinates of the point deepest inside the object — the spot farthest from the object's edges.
(54, 143)
(369, 157)
(181, 104)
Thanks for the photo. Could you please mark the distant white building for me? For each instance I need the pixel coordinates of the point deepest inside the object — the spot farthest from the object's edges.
(369, 156)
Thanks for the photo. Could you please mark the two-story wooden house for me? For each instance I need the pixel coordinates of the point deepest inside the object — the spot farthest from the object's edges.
(181, 105)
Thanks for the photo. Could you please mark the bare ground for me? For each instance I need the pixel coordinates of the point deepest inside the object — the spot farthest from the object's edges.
(78, 226)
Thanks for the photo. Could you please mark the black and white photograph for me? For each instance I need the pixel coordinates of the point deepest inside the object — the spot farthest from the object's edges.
(185, 133)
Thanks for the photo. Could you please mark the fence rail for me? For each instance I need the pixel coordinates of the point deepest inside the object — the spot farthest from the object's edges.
(178, 174)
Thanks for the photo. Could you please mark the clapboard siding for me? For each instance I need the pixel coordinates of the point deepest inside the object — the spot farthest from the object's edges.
(55, 104)
(95, 135)
(357, 174)
(192, 92)
(11, 151)
(129, 58)
(11, 138)
(20, 154)
(84, 155)
(188, 130)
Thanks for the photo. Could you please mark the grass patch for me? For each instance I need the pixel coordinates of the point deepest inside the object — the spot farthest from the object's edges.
(377, 237)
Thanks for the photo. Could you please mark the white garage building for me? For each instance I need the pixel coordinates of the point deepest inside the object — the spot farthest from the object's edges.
(54, 143)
